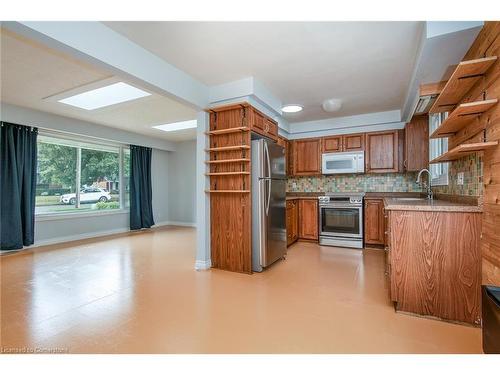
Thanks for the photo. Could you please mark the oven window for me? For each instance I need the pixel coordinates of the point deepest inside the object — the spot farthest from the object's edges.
(340, 220)
(339, 164)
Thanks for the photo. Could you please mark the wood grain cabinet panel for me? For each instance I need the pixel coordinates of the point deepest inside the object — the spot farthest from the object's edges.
(308, 219)
(353, 142)
(292, 221)
(382, 152)
(307, 157)
(436, 264)
(416, 155)
(332, 144)
(374, 221)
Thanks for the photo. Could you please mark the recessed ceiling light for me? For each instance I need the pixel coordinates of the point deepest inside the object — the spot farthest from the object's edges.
(104, 96)
(291, 108)
(181, 125)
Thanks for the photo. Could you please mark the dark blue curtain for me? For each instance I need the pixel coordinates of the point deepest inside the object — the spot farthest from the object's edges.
(18, 157)
(141, 208)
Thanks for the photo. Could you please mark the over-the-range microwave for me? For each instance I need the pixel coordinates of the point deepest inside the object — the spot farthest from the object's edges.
(343, 162)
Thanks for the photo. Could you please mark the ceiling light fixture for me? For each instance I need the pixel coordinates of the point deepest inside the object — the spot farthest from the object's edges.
(332, 105)
(181, 125)
(291, 108)
(105, 96)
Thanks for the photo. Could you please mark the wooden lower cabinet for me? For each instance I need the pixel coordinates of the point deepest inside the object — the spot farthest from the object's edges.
(292, 221)
(308, 219)
(435, 264)
(374, 221)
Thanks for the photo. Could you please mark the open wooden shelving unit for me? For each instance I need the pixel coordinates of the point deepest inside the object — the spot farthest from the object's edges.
(463, 150)
(463, 115)
(466, 74)
(228, 148)
(229, 170)
(464, 77)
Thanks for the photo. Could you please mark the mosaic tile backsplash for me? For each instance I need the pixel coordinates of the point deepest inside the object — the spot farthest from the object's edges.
(387, 182)
(472, 166)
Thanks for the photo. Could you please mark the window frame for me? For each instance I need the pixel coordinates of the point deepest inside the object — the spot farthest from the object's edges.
(439, 171)
(87, 140)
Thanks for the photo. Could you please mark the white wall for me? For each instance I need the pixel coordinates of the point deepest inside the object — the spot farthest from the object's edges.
(182, 188)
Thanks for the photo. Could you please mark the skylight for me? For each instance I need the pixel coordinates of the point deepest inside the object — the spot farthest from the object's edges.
(181, 125)
(105, 96)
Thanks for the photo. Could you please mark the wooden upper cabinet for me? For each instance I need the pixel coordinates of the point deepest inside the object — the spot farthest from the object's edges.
(271, 128)
(257, 120)
(307, 157)
(332, 144)
(261, 124)
(374, 221)
(383, 152)
(308, 219)
(416, 144)
(344, 143)
(354, 142)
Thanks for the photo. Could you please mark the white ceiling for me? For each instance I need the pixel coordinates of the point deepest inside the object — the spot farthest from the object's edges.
(31, 72)
(366, 64)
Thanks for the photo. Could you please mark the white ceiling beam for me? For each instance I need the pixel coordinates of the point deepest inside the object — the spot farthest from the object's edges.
(97, 43)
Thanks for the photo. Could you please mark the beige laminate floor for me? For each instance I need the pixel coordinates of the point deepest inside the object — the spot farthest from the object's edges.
(138, 293)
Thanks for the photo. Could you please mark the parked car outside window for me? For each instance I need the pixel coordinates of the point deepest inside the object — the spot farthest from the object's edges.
(91, 194)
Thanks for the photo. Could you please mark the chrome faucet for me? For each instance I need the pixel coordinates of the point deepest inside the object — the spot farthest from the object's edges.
(424, 184)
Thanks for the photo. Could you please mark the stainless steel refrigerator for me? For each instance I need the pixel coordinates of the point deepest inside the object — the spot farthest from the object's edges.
(268, 203)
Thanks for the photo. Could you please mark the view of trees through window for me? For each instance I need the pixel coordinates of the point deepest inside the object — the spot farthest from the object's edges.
(64, 165)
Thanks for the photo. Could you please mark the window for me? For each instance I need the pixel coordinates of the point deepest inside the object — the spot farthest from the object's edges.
(79, 176)
(437, 147)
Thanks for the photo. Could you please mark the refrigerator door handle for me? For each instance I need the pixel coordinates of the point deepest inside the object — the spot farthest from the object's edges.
(268, 196)
(268, 160)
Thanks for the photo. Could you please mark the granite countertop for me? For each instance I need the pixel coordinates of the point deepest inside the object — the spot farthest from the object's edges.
(426, 205)
(374, 195)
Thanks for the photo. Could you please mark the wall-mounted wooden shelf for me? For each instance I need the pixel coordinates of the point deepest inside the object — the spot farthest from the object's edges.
(222, 161)
(228, 148)
(463, 150)
(466, 74)
(227, 191)
(462, 116)
(228, 131)
(226, 173)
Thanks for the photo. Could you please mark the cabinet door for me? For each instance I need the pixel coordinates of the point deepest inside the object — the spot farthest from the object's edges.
(353, 142)
(295, 221)
(289, 217)
(271, 129)
(291, 222)
(382, 154)
(417, 144)
(257, 121)
(374, 221)
(308, 219)
(332, 144)
(307, 157)
(289, 159)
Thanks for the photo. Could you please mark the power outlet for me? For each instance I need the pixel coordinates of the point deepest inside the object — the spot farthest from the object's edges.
(460, 178)
(294, 185)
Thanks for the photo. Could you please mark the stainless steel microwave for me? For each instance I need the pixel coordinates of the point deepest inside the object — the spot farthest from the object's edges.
(343, 162)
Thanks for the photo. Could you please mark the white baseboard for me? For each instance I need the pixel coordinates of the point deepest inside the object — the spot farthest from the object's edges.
(201, 265)
(176, 223)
